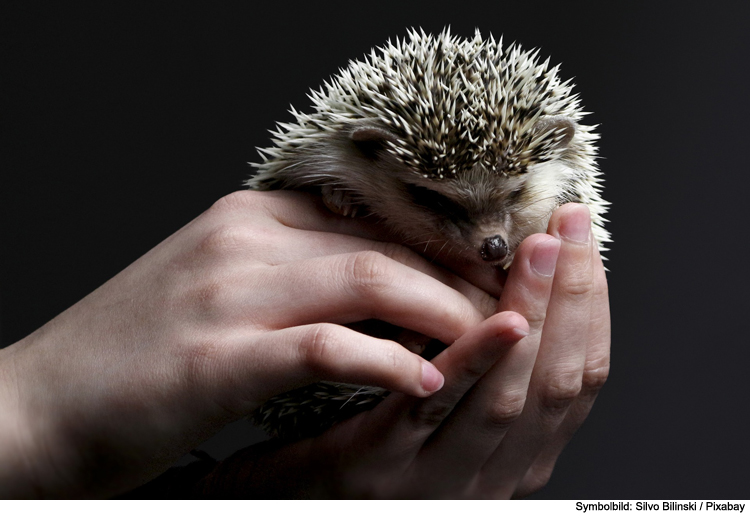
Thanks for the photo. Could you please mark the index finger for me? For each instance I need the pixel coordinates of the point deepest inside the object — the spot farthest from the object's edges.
(307, 212)
(313, 231)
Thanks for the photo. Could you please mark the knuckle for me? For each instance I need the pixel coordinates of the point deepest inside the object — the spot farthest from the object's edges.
(537, 478)
(577, 282)
(392, 352)
(470, 372)
(577, 285)
(224, 239)
(402, 254)
(237, 200)
(559, 391)
(369, 271)
(200, 361)
(536, 316)
(504, 413)
(205, 373)
(429, 414)
(315, 346)
(595, 376)
(210, 298)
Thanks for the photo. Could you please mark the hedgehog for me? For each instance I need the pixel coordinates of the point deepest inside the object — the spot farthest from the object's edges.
(458, 146)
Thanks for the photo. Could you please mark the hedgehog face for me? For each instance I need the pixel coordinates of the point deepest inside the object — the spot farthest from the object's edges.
(478, 215)
(481, 216)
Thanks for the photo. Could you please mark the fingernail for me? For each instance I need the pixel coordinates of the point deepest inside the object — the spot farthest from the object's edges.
(510, 337)
(432, 379)
(577, 226)
(544, 257)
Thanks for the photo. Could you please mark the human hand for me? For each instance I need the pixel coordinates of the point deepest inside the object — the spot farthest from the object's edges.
(245, 302)
(506, 411)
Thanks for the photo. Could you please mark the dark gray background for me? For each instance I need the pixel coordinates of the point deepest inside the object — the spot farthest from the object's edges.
(121, 125)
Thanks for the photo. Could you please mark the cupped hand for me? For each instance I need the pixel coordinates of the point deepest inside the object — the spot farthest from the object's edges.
(245, 302)
(516, 389)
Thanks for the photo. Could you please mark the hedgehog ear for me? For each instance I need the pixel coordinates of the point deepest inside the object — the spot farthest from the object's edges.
(369, 133)
(559, 127)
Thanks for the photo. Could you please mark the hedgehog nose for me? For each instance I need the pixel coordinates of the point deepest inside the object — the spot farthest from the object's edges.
(493, 248)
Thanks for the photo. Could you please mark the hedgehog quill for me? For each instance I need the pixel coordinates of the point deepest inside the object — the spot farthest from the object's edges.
(456, 144)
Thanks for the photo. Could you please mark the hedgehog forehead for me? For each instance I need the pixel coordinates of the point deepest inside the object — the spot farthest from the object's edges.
(454, 103)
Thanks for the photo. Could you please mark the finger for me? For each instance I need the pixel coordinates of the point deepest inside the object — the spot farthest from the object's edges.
(595, 373)
(487, 278)
(556, 379)
(303, 211)
(483, 417)
(366, 285)
(275, 228)
(295, 357)
(302, 245)
(402, 424)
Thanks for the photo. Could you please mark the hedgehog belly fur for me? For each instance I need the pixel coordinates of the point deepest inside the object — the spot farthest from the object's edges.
(310, 410)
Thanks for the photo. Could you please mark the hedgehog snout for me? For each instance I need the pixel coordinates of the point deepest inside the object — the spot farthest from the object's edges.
(493, 248)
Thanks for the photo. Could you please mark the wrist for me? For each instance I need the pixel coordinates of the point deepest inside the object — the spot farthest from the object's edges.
(35, 456)
(17, 468)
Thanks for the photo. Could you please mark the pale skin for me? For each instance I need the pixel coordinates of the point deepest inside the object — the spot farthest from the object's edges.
(248, 301)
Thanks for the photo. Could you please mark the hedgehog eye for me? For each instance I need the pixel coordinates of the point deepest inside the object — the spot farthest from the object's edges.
(515, 194)
(437, 202)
